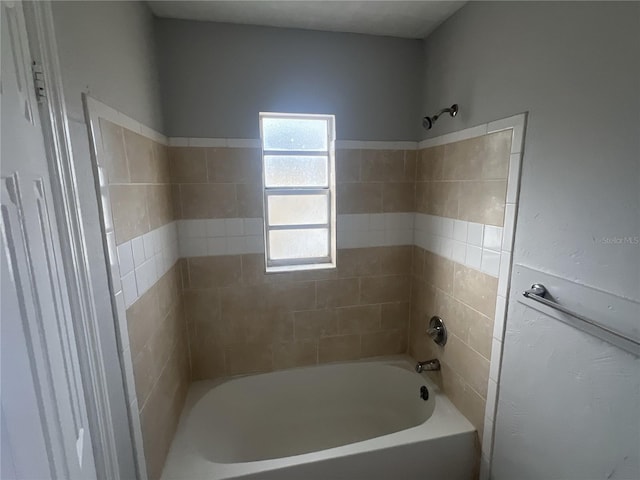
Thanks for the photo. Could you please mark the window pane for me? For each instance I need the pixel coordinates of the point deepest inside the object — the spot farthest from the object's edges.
(294, 134)
(296, 171)
(298, 209)
(309, 243)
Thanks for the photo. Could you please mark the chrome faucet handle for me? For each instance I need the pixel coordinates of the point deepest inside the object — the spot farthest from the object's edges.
(437, 331)
(433, 332)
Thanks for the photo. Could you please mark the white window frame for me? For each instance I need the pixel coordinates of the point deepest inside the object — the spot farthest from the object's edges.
(293, 264)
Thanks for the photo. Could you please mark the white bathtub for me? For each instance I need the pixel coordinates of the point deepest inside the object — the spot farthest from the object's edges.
(360, 420)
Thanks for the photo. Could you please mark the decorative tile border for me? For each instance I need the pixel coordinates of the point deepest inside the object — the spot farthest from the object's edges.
(236, 236)
(369, 145)
(475, 245)
(145, 259)
(255, 143)
(221, 236)
(472, 244)
(214, 142)
(375, 230)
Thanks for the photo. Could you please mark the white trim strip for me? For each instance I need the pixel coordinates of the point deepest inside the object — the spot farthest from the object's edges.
(516, 122)
(255, 143)
(238, 236)
(214, 142)
(375, 230)
(472, 244)
(98, 109)
(143, 260)
(475, 245)
(375, 145)
(465, 134)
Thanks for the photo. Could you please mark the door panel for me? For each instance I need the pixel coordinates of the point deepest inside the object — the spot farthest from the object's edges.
(44, 419)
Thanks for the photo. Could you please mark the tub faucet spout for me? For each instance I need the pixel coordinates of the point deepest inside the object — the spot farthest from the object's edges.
(428, 366)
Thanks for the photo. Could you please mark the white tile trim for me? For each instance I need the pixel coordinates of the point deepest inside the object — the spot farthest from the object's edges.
(98, 110)
(222, 236)
(492, 394)
(236, 236)
(465, 134)
(499, 319)
(516, 122)
(375, 230)
(374, 145)
(160, 254)
(255, 143)
(214, 142)
(496, 358)
(440, 235)
(485, 467)
(443, 236)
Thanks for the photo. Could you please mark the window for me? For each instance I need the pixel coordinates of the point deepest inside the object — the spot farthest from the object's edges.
(299, 191)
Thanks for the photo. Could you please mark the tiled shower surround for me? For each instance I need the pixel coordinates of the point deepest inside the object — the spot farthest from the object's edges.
(242, 320)
(420, 232)
(138, 216)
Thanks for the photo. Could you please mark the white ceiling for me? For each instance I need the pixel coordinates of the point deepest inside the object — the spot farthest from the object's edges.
(398, 18)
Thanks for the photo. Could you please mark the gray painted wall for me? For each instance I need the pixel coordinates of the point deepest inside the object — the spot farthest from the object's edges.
(568, 403)
(107, 49)
(576, 68)
(217, 77)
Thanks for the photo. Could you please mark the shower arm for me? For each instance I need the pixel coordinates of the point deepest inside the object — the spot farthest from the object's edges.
(453, 111)
(427, 122)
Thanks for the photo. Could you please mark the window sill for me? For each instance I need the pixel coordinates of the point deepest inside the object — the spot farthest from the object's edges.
(298, 268)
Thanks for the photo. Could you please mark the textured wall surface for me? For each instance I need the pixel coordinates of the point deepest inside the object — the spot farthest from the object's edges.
(580, 178)
(580, 190)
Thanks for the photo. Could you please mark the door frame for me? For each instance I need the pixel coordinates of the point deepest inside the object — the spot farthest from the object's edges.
(102, 413)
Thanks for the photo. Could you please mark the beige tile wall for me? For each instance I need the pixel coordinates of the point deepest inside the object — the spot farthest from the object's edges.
(464, 180)
(216, 182)
(139, 181)
(465, 299)
(141, 200)
(242, 320)
(158, 340)
(227, 182)
(375, 181)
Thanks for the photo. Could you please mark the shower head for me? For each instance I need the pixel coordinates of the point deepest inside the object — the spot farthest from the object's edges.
(427, 122)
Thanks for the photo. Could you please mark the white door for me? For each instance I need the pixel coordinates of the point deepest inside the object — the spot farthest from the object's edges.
(44, 418)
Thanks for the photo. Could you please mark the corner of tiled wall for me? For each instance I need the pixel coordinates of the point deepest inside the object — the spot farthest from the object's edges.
(142, 243)
(420, 232)
(466, 201)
